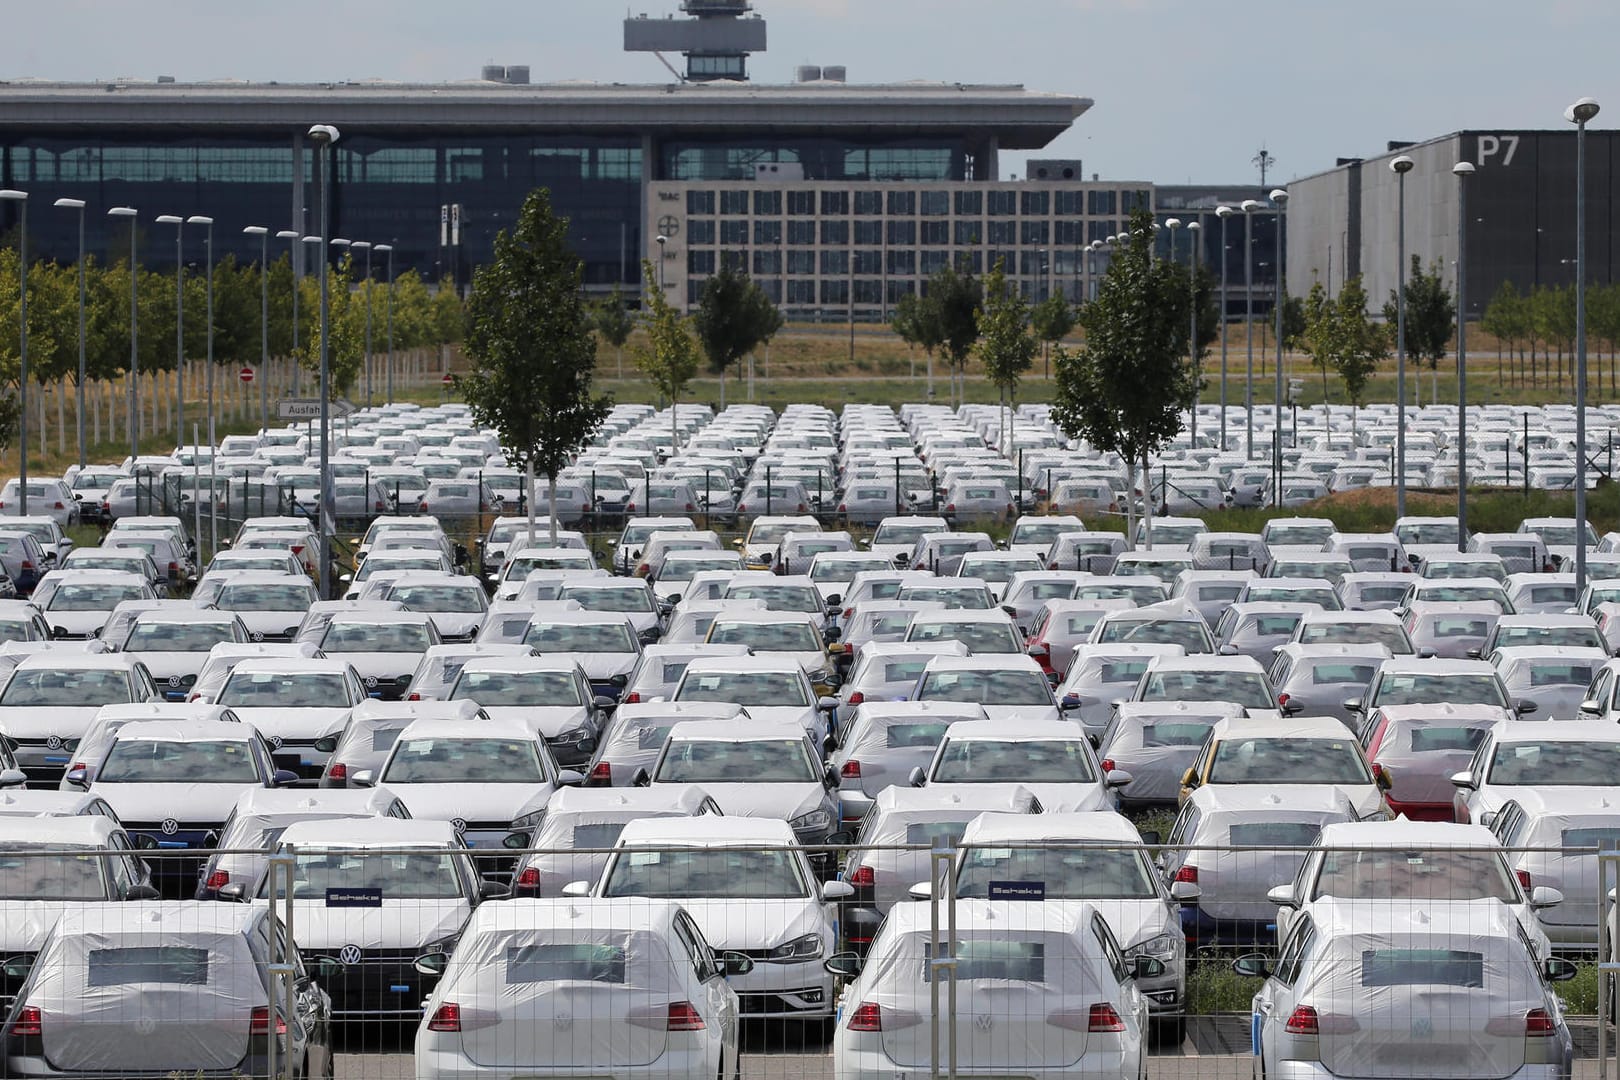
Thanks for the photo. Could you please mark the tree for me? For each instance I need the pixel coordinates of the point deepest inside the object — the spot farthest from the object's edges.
(1051, 319)
(614, 323)
(953, 305)
(1352, 344)
(1006, 346)
(670, 357)
(1506, 318)
(1293, 322)
(918, 326)
(733, 318)
(1125, 390)
(1431, 313)
(532, 349)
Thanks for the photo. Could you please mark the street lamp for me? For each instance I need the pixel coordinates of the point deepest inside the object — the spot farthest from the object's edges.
(1401, 166)
(1171, 225)
(208, 371)
(78, 204)
(179, 224)
(21, 199)
(134, 355)
(388, 249)
(1249, 206)
(1223, 212)
(264, 321)
(1580, 114)
(324, 136)
(1279, 198)
(1193, 230)
(293, 238)
(662, 240)
(365, 245)
(1463, 170)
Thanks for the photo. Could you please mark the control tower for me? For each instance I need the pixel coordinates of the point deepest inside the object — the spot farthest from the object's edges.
(716, 38)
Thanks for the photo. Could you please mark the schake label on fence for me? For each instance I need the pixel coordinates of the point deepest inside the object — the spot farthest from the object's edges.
(1017, 890)
(354, 898)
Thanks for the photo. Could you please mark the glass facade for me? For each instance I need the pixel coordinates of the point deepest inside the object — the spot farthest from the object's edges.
(823, 158)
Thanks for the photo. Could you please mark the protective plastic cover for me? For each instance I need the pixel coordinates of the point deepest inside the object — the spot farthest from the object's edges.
(1424, 745)
(1275, 842)
(145, 998)
(1156, 742)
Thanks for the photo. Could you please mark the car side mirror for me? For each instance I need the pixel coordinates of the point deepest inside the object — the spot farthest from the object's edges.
(490, 889)
(641, 778)
(1591, 705)
(235, 893)
(1525, 707)
(1426, 653)
(283, 778)
(516, 841)
(1474, 654)
(1117, 778)
(846, 965)
(17, 967)
(618, 681)
(363, 778)
(327, 745)
(1382, 778)
(603, 702)
(1189, 779)
(1291, 708)
(1555, 968)
(826, 704)
(1463, 780)
(922, 890)
(142, 892)
(831, 635)
(1228, 649)
(917, 778)
(577, 888)
(837, 890)
(77, 777)
(650, 635)
(431, 964)
(10, 778)
(570, 778)
(1352, 704)
(1185, 892)
(829, 777)
(1146, 967)
(1543, 896)
(1252, 965)
(1282, 896)
(735, 963)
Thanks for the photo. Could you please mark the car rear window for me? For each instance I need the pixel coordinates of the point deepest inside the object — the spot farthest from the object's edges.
(912, 736)
(1427, 967)
(1182, 733)
(565, 963)
(1282, 834)
(1603, 837)
(936, 833)
(151, 964)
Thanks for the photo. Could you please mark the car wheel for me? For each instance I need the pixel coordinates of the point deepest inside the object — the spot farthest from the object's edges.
(1170, 1032)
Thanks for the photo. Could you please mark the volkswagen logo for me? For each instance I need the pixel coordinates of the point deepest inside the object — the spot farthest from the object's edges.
(174, 680)
(371, 680)
(275, 741)
(145, 1025)
(984, 1021)
(257, 635)
(564, 1020)
(169, 826)
(459, 824)
(54, 742)
(349, 955)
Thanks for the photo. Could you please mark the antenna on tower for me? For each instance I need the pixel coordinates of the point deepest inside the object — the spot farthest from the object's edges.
(1263, 161)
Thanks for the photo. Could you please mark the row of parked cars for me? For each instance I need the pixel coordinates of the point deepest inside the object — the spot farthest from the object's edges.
(576, 812)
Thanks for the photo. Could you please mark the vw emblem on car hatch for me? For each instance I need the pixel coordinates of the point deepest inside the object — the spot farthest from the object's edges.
(349, 955)
(169, 826)
(54, 742)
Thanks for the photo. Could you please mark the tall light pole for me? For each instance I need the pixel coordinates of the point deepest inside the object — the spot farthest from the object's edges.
(78, 204)
(662, 240)
(324, 136)
(1401, 166)
(179, 224)
(1463, 170)
(21, 199)
(365, 245)
(1580, 114)
(1279, 198)
(1194, 232)
(208, 371)
(1249, 206)
(388, 249)
(264, 321)
(293, 238)
(134, 326)
(1223, 212)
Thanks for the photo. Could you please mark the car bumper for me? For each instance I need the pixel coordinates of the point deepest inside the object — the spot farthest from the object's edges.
(800, 990)
(446, 1062)
(1315, 1070)
(873, 1064)
(378, 988)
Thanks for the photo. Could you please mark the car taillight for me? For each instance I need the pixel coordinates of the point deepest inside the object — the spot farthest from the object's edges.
(740, 507)
(851, 770)
(446, 1017)
(423, 507)
(866, 1017)
(690, 508)
(337, 771)
(849, 612)
(601, 774)
(1107, 764)
(843, 508)
(863, 878)
(632, 698)
(413, 696)
(174, 568)
(1302, 1021)
(1188, 874)
(217, 880)
(61, 506)
(529, 879)
(1104, 1018)
(259, 1021)
(683, 1017)
(29, 1022)
(1536, 1022)
(856, 697)
(1525, 881)
(951, 507)
(1282, 699)
(803, 508)
(629, 506)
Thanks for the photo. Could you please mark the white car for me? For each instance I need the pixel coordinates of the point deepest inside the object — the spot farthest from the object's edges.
(299, 705)
(1078, 1011)
(580, 827)
(748, 889)
(77, 603)
(1053, 760)
(174, 644)
(1099, 675)
(1010, 688)
(271, 606)
(549, 694)
(88, 752)
(772, 689)
(384, 647)
(1520, 755)
(547, 988)
(1553, 840)
(52, 698)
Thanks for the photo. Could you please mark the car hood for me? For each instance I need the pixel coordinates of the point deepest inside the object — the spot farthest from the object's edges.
(182, 802)
(1133, 921)
(275, 723)
(1055, 798)
(398, 924)
(25, 923)
(43, 721)
(78, 622)
(382, 664)
(746, 923)
(546, 720)
(270, 623)
(784, 801)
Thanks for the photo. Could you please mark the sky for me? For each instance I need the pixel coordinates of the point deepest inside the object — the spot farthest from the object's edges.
(1184, 90)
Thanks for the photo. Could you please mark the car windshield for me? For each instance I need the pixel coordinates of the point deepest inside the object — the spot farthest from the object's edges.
(580, 638)
(538, 689)
(440, 598)
(1390, 636)
(779, 597)
(986, 687)
(1555, 763)
(767, 636)
(265, 598)
(1191, 636)
(1246, 688)
(746, 688)
(1405, 688)
(762, 761)
(617, 599)
(365, 637)
(1038, 761)
(716, 872)
(464, 761)
(1068, 871)
(955, 597)
(1270, 760)
(67, 687)
(683, 569)
(71, 596)
(1423, 874)
(272, 690)
(155, 761)
(177, 637)
(399, 875)
(29, 873)
(979, 637)
(1572, 636)
(772, 533)
(897, 533)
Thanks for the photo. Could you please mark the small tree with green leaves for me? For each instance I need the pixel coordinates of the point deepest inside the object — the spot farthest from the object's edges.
(916, 325)
(1507, 318)
(532, 349)
(671, 356)
(1431, 314)
(733, 318)
(1006, 344)
(1051, 320)
(614, 323)
(1357, 345)
(952, 304)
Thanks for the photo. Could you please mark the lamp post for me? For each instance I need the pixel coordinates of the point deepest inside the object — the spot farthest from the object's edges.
(1579, 114)
(78, 204)
(365, 245)
(1249, 206)
(388, 249)
(1463, 170)
(1280, 198)
(21, 199)
(662, 240)
(1223, 212)
(324, 136)
(1194, 232)
(208, 371)
(293, 238)
(179, 224)
(1401, 166)
(264, 321)
(134, 355)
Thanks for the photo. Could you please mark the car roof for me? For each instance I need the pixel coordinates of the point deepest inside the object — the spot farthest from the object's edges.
(174, 920)
(1282, 727)
(527, 914)
(1205, 662)
(1410, 665)
(729, 731)
(1014, 730)
(1512, 731)
(265, 801)
(55, 659)
(81, 830)
(708, 830)
(292, 665)
(705, 665)
(993, 662)
(182, 730)
(1250, 798)
(371, 832)
(657, 798)
(1095, 825)
(494, 727)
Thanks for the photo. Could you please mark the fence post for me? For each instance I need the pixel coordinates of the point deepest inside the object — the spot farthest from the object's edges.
(768, 489)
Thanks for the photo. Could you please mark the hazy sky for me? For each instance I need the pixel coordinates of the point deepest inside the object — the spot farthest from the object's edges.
(1184, 89)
